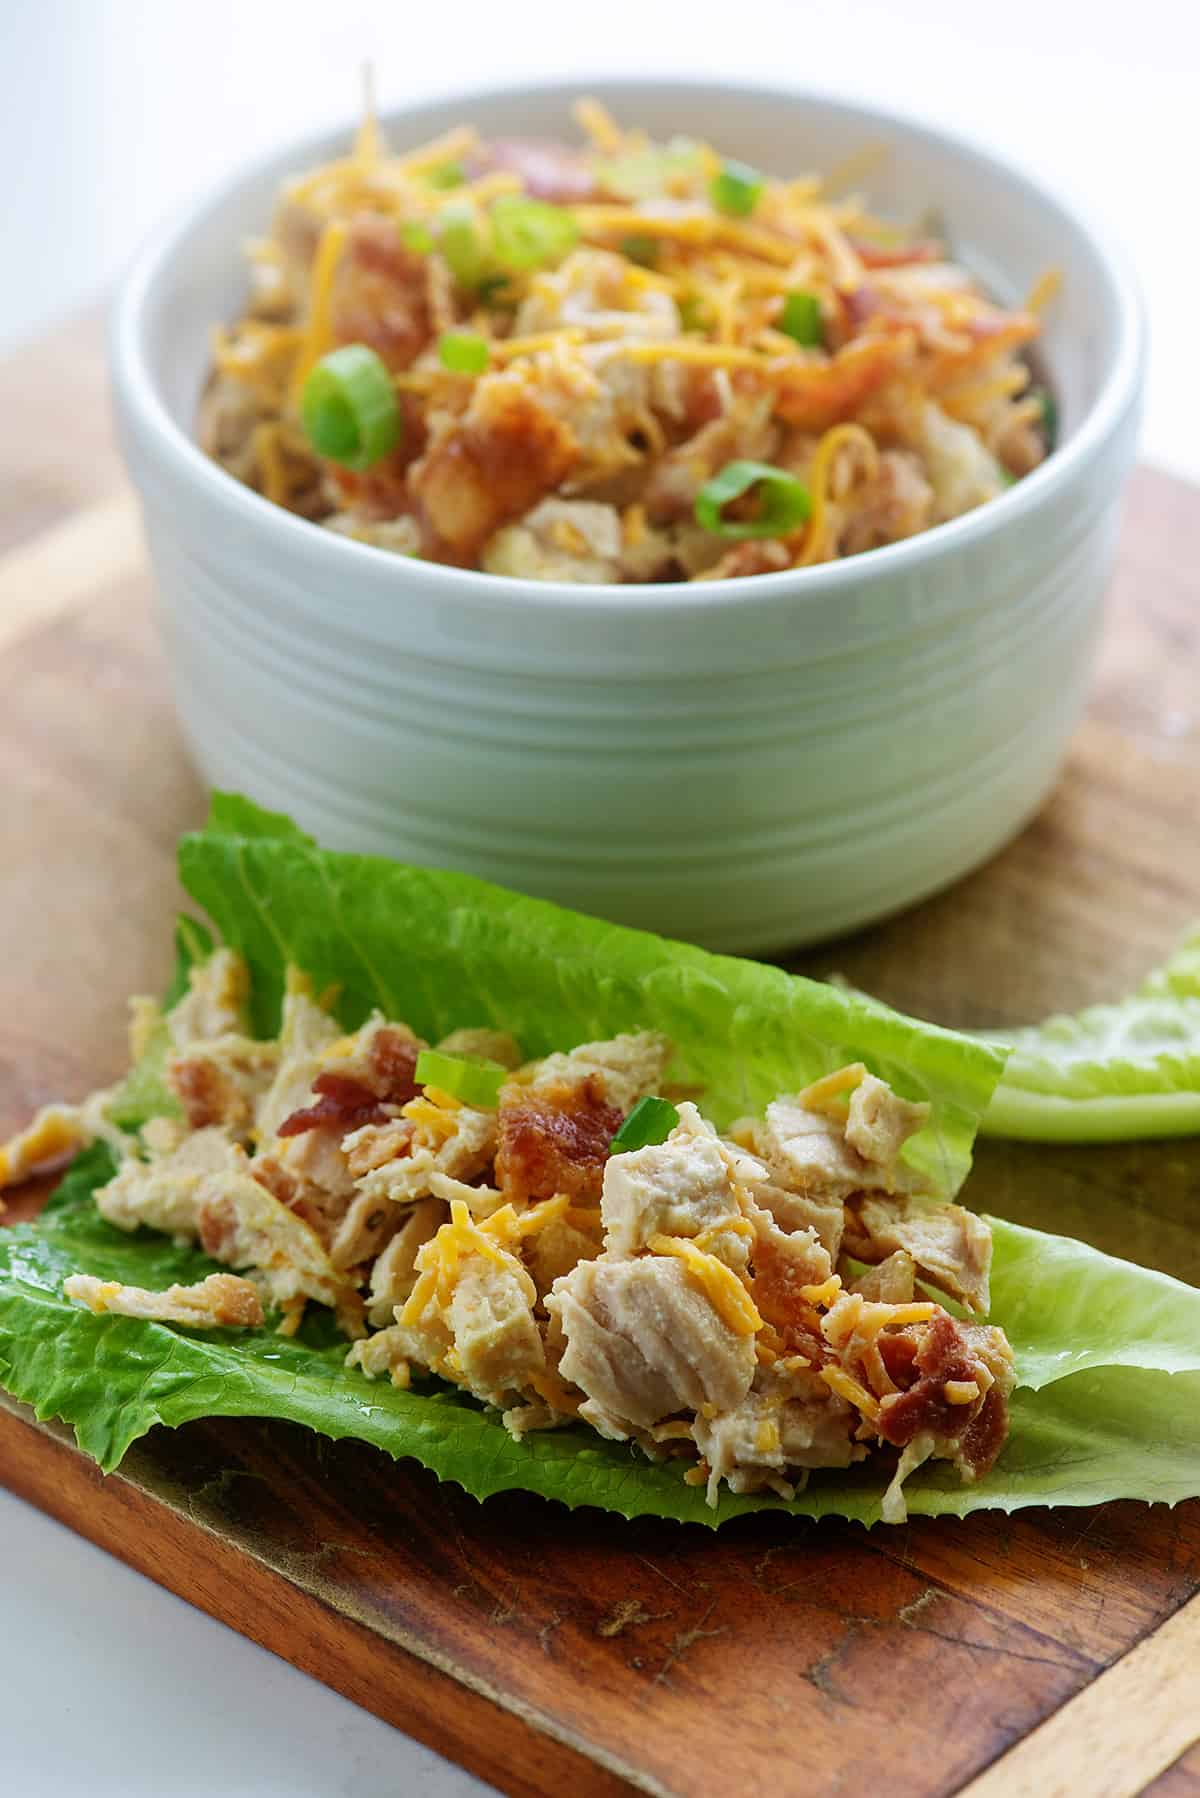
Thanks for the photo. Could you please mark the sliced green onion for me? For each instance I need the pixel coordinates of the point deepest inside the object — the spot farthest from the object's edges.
(736, 190)
(492, 289)
(530, 233)
(691, 313)
(651, 1121)
(647, 174)
(476, 1083)
(418, 237)
(1048, 418)
(801, 318)
(463, 352)
(640, 249)
(447, 174)
(459, 240)
(349, 407)
(784, 501)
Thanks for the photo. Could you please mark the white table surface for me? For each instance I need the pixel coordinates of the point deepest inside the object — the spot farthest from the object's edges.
(111, 111)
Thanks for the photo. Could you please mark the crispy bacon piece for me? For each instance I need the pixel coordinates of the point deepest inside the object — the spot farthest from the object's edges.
(344, 1103)
(921, 1364)
(216, 1224)
(200, 1089)
(393, 1066)
(985, 1434)
(815, 395)
(341, 1104)
(554, 1139)
(498, 461)
(381, 293)
(876, 255)
(548, 170)
(781, 1270)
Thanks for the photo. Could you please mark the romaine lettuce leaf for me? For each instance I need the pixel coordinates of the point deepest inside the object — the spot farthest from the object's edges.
(1109, 1354)
(1092, 1333)
(443, 950)
(1113, 1072)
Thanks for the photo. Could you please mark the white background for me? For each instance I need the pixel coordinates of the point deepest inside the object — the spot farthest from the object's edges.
(111, 113)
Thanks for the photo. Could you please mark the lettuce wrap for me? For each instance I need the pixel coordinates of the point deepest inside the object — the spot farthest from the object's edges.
(1108, 1354)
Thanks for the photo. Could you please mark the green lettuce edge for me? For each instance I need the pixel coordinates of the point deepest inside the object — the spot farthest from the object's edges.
(1121, 1072)
(1092, 1432)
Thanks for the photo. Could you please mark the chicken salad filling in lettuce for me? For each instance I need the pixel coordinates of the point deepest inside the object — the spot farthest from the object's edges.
(753, 1305)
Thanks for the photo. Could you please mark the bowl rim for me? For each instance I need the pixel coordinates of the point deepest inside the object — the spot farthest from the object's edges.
(329, 552)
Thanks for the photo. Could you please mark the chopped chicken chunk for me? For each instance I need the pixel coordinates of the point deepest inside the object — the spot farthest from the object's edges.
(459, 1142)
(165, 1191)
(787, 1265)
(215, 1002)
(643, 1341)
(483, 1045)
(894, 1281)
(879, 1122)
(685, 1186)
(961, 470)
(394, 1273)
(221, 1301)
(560, 540)
(505, 453)
(222, 1081)
(493, 1345)
(790, 1420)
(809, 1151)
(627, 1067)
(952, 1248)
(244, 1225)
(305, 1032)
(802, 1211)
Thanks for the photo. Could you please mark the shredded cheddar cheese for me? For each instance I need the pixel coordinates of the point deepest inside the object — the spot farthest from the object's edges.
(272, 466)
(452, 146)
(600, 126)
(319, 335)
(821, 1094)
(846, 1386)
(439, 1262)
(1046, 288)
(767, 1440)
(555, 1391)
(816, 548)
(825, 1293)
(720, 1285)
(697, 228)
(733, 1225)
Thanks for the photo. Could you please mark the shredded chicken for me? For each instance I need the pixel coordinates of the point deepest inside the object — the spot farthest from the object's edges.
(222, 1301)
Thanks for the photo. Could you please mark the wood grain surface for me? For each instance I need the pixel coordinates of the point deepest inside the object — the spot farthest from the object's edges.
(1050, 1652)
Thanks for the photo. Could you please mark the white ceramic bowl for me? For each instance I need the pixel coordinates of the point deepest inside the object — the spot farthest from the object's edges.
(753, 763)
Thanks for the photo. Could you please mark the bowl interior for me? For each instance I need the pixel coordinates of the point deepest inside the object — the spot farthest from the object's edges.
(994, 219)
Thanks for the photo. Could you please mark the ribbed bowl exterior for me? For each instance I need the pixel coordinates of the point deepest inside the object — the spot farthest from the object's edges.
(751, 769)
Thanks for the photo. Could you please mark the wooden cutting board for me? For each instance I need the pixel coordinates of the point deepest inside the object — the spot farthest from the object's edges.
(1046, 1653)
